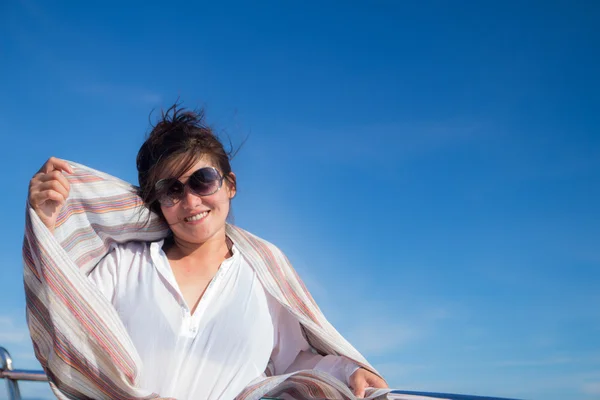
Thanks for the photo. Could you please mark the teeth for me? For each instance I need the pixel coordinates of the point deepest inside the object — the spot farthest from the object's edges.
(197, 217)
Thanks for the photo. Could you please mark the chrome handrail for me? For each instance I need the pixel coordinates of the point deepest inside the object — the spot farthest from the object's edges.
(13, 376)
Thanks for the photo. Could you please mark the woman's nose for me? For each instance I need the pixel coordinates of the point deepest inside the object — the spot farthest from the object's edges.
(190, 198)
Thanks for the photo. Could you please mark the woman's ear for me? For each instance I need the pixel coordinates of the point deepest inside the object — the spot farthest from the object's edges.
(231, 183)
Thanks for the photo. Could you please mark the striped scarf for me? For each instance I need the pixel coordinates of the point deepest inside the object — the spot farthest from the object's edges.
(78, 336)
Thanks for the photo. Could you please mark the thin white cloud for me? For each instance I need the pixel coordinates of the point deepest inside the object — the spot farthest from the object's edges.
(544, 341)
(11, 333)
(14, 337)
(374, 321)
(379, 327)
(592, 388)
(73, 75)
(121, 93)
(384, 144)
(536, 363)
(373, 337)
(559, 359)
(25, 357)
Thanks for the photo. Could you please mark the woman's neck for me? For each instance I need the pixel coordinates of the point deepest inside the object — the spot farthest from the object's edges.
(217, 247)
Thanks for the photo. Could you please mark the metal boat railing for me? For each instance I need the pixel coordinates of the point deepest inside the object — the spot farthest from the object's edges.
(13, 376)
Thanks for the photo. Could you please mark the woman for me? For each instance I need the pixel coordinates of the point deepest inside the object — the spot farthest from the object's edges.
(200, 319)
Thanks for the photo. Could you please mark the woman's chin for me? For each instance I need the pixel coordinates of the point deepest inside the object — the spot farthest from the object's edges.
(195, 234)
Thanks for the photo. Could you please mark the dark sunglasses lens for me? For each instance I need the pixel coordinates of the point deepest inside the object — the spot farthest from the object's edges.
(205, 181)
(169, 191)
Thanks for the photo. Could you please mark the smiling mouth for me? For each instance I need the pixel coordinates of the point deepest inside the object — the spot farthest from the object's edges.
(196, 217)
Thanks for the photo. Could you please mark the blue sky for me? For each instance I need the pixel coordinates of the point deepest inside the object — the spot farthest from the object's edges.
(431, 168)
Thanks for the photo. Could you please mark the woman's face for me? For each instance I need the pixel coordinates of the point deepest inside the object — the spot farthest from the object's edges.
(211, 210)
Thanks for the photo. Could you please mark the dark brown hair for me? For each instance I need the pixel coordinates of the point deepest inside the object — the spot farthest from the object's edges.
(177, 141)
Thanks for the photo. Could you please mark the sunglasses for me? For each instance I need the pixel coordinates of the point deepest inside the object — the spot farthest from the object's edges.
(203, 182)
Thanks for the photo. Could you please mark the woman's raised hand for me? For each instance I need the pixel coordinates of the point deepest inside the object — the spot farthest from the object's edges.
(49, 190)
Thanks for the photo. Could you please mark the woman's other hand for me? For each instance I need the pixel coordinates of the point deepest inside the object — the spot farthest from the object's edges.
(362, 379)
(49, 190)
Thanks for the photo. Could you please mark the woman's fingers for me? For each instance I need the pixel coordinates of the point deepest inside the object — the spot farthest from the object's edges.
(53, 185)
(359, 390)
(54, 163)
(358, 382)
(362, 379)
(49, 190)
(377, 382)
(39, 198)
(56, 176)
(49, 181)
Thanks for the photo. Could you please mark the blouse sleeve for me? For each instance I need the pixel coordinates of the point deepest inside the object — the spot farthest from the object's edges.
(104, 276)
(292, 352)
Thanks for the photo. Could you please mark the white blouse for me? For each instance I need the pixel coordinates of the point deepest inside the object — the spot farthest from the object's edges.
(223, 346)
